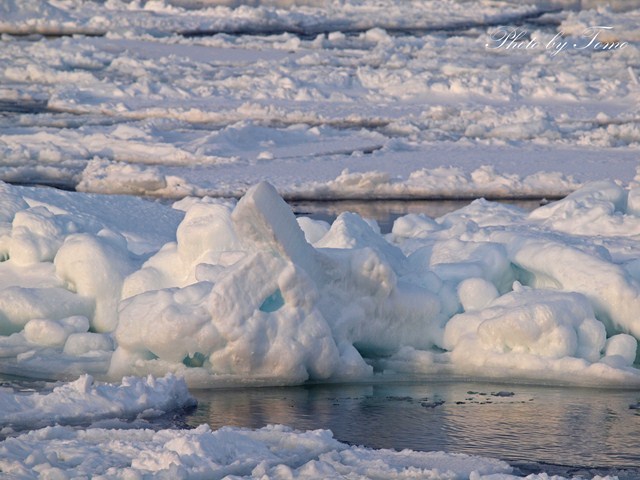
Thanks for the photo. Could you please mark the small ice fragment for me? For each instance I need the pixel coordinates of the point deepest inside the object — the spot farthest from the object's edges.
(503, 393)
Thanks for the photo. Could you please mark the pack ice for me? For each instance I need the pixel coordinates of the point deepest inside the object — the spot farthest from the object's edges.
(224, 293)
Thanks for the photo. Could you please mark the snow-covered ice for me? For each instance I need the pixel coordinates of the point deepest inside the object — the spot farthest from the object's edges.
(237, 295)
(270, 453)
(84, 401)
(376, 99)
(193, 100)
(227, 293)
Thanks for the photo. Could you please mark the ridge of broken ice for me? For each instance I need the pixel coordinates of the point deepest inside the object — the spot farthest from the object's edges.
(146, 110)
(83, 401)
(271, 452)
(161, 17)
(237, 295)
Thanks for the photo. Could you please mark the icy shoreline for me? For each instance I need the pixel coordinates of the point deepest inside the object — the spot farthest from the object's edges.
(84, 401)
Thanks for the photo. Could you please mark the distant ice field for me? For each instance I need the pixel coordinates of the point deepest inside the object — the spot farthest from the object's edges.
(329, 101)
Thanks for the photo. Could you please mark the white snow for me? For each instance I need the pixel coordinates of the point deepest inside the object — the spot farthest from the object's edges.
(272, 452)
(84, 401)
(190, 100)
(350, 110)
(238, 295)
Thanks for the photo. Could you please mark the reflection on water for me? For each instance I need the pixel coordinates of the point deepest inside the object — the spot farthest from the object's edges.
(568, 430)
(385, 212)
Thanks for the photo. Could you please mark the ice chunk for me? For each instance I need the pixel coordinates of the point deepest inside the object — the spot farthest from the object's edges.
(162, 270)
(373, 307)
(283, 310)
(313, 230)
(45, 332)
(102, 175)
(170, 323)
(598, 208)
(205, 229)
(623, 346)
(20, 305)
(205, 238)
(455, 260)
(95, 267)
(476, 293)
(613, 293)
(234, 324)
(264, 222)
(414, 226)
(37, 235)
(53, 333)
(84, 400)
(78, 344)
(543, 323)
(351, 231)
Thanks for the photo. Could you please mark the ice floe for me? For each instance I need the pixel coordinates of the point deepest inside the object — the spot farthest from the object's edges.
(270, 452)
(238, 295)
(84, 401)
(323, 99)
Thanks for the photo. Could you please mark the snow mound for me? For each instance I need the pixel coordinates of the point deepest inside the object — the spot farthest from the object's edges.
(235, 294)
(282, 312)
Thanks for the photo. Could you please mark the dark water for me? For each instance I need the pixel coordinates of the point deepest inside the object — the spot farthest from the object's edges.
(566, 431)
(385, 212)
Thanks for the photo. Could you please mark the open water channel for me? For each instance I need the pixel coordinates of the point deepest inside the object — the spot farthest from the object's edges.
(558, 430)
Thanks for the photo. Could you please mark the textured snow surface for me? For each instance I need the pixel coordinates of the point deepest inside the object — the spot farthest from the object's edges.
(162, 17)
(273, 452)
(83, 401)
(322, 99)
(328, 99)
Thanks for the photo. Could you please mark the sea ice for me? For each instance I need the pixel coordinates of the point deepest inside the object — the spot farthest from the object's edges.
(334, 104)
(84, 401)
(237, 294)
(270, 453)
(354, 99)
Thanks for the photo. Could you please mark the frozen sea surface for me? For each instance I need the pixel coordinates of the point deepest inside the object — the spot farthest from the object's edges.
(229, 294)
(350, 109)
(345, 100)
